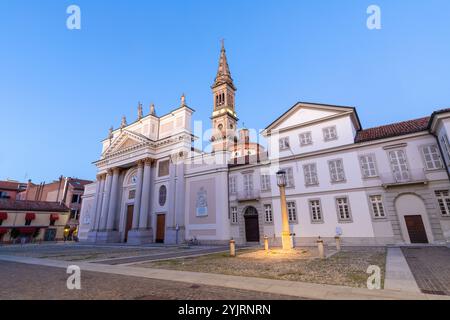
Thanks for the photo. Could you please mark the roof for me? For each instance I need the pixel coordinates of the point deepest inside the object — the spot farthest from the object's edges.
(20, 205)
(79, 183)
(393, 130)
(9, 185)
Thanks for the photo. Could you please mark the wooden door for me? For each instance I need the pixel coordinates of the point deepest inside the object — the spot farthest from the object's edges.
(160, 228)
(416, 229)
(129, 224)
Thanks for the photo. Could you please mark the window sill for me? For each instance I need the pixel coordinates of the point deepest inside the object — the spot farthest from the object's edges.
(345, 221)
(317, 222)
(338, 182)
(312, 185)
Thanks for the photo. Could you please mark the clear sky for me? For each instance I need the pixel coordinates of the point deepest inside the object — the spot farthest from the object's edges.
(61, 90)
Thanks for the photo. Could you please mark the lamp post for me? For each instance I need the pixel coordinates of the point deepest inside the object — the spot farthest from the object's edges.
(285, 233)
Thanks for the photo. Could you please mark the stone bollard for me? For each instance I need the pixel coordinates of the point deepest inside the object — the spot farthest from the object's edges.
(338, 243)
(321, 248)
(266, 243)
(232, 248)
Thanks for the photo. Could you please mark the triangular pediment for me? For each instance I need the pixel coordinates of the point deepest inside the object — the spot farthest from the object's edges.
(308, 113)
(126, 141)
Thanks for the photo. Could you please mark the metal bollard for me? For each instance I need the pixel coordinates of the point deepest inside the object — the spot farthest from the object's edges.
(266, 243)
(232, 248)
(321, 248)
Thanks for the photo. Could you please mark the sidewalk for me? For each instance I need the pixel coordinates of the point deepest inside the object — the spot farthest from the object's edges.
(291, 288)
(398, 274)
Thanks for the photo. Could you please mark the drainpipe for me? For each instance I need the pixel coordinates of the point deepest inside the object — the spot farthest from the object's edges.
(444, 162)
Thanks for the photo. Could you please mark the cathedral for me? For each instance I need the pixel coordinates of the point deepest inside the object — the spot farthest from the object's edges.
(377, 186)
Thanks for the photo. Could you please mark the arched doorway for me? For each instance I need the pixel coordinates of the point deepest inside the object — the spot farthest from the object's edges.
(413, 218)
(251, 225)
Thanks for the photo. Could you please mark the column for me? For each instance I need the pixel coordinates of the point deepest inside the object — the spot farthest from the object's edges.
(113, 200)
(97, 202)
(145, 200)
(105, 205)
(179, 194)
(98, 211)
(137, 199)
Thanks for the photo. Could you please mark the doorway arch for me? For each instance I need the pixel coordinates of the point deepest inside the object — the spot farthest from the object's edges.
(251, 224)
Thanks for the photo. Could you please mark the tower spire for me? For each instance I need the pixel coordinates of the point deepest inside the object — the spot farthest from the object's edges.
(223, 73)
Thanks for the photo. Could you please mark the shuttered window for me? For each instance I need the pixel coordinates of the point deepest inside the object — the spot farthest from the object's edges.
(368, 166)
(337, 170)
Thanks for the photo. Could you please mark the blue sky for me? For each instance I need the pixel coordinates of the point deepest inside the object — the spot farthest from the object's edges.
(61, 90)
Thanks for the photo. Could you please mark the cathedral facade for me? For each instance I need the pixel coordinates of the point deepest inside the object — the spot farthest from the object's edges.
(378, 186)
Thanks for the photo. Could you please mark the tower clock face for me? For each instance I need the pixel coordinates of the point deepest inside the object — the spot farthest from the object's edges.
(220, 127)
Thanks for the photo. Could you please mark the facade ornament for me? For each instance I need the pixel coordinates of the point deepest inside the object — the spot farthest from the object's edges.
(183, 100)
(152, 109)
(110, 135)
(202, 202)
(140, 111)
(124, 122)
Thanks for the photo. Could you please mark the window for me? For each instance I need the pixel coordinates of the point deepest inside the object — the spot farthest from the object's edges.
(446, 145)
(305, 139)
(132, 194)
(432, 157)
(234, 215)
(248, 182)
(290, 178)
(399, 165)
(377, 207)
(268, 215)
(329, 133)
(163, 168)
(74, 214)
(444, 202)
(233, 187)
(310, 171)
(284, 143)
(343, 209)
(336, 170)
(265, 182)
(75, 198)
(4, 195)
(316, 211)
(162, 195)
(368, 166)
(292, 211)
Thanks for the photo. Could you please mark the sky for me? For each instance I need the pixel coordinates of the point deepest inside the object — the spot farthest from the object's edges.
(61, 90)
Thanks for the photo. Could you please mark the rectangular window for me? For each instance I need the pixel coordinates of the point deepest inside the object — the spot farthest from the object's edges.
(290, 178)
(399, 165)
(446, 146)
(265, 182)
(292, 211)
(248, 182)
(368, 166)
(163, 168)
(377, 207)
(73, 214)
(432, 157)
(268, 213)
(234, 215)
(337, 173)
(316, 211)
(330, 133)
(343, 209)
(284, 143)
(305, 139)
(75, 198)
(444, 202)
(310, 171)
(132, 194)
(233, 186)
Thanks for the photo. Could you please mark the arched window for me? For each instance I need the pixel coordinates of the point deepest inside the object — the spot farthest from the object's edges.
(162, 195)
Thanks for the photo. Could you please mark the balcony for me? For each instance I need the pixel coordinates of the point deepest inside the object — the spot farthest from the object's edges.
(409, 177)
(248, 195)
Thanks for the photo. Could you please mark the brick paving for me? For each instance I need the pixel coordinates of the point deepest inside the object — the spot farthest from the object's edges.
(430, 267)
(32, 282)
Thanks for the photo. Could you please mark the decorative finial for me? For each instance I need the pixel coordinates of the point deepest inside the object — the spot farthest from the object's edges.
(110, 136)
(124, 122)
(152, 109)
(183, 100)
(223, 44)
(140, 111)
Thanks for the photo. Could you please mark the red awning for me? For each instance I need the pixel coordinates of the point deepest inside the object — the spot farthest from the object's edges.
(27, 230)
(3, 216)
(30, 216)
(3, 231)
(54, 217)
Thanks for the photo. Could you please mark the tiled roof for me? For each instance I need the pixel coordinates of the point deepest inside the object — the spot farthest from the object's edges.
(393, 130)
(9, 185)
(19, 205)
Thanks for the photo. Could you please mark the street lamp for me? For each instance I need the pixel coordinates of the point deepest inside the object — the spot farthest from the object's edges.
(285, 234)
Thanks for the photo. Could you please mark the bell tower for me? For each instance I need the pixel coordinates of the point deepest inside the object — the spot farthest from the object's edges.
(224, 118)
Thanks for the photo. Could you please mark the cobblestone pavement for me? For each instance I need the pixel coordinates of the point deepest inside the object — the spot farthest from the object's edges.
(430, 267)
(31, 282)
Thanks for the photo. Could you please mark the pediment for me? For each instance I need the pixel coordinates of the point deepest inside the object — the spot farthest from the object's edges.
(307, 113)
(126, 141)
